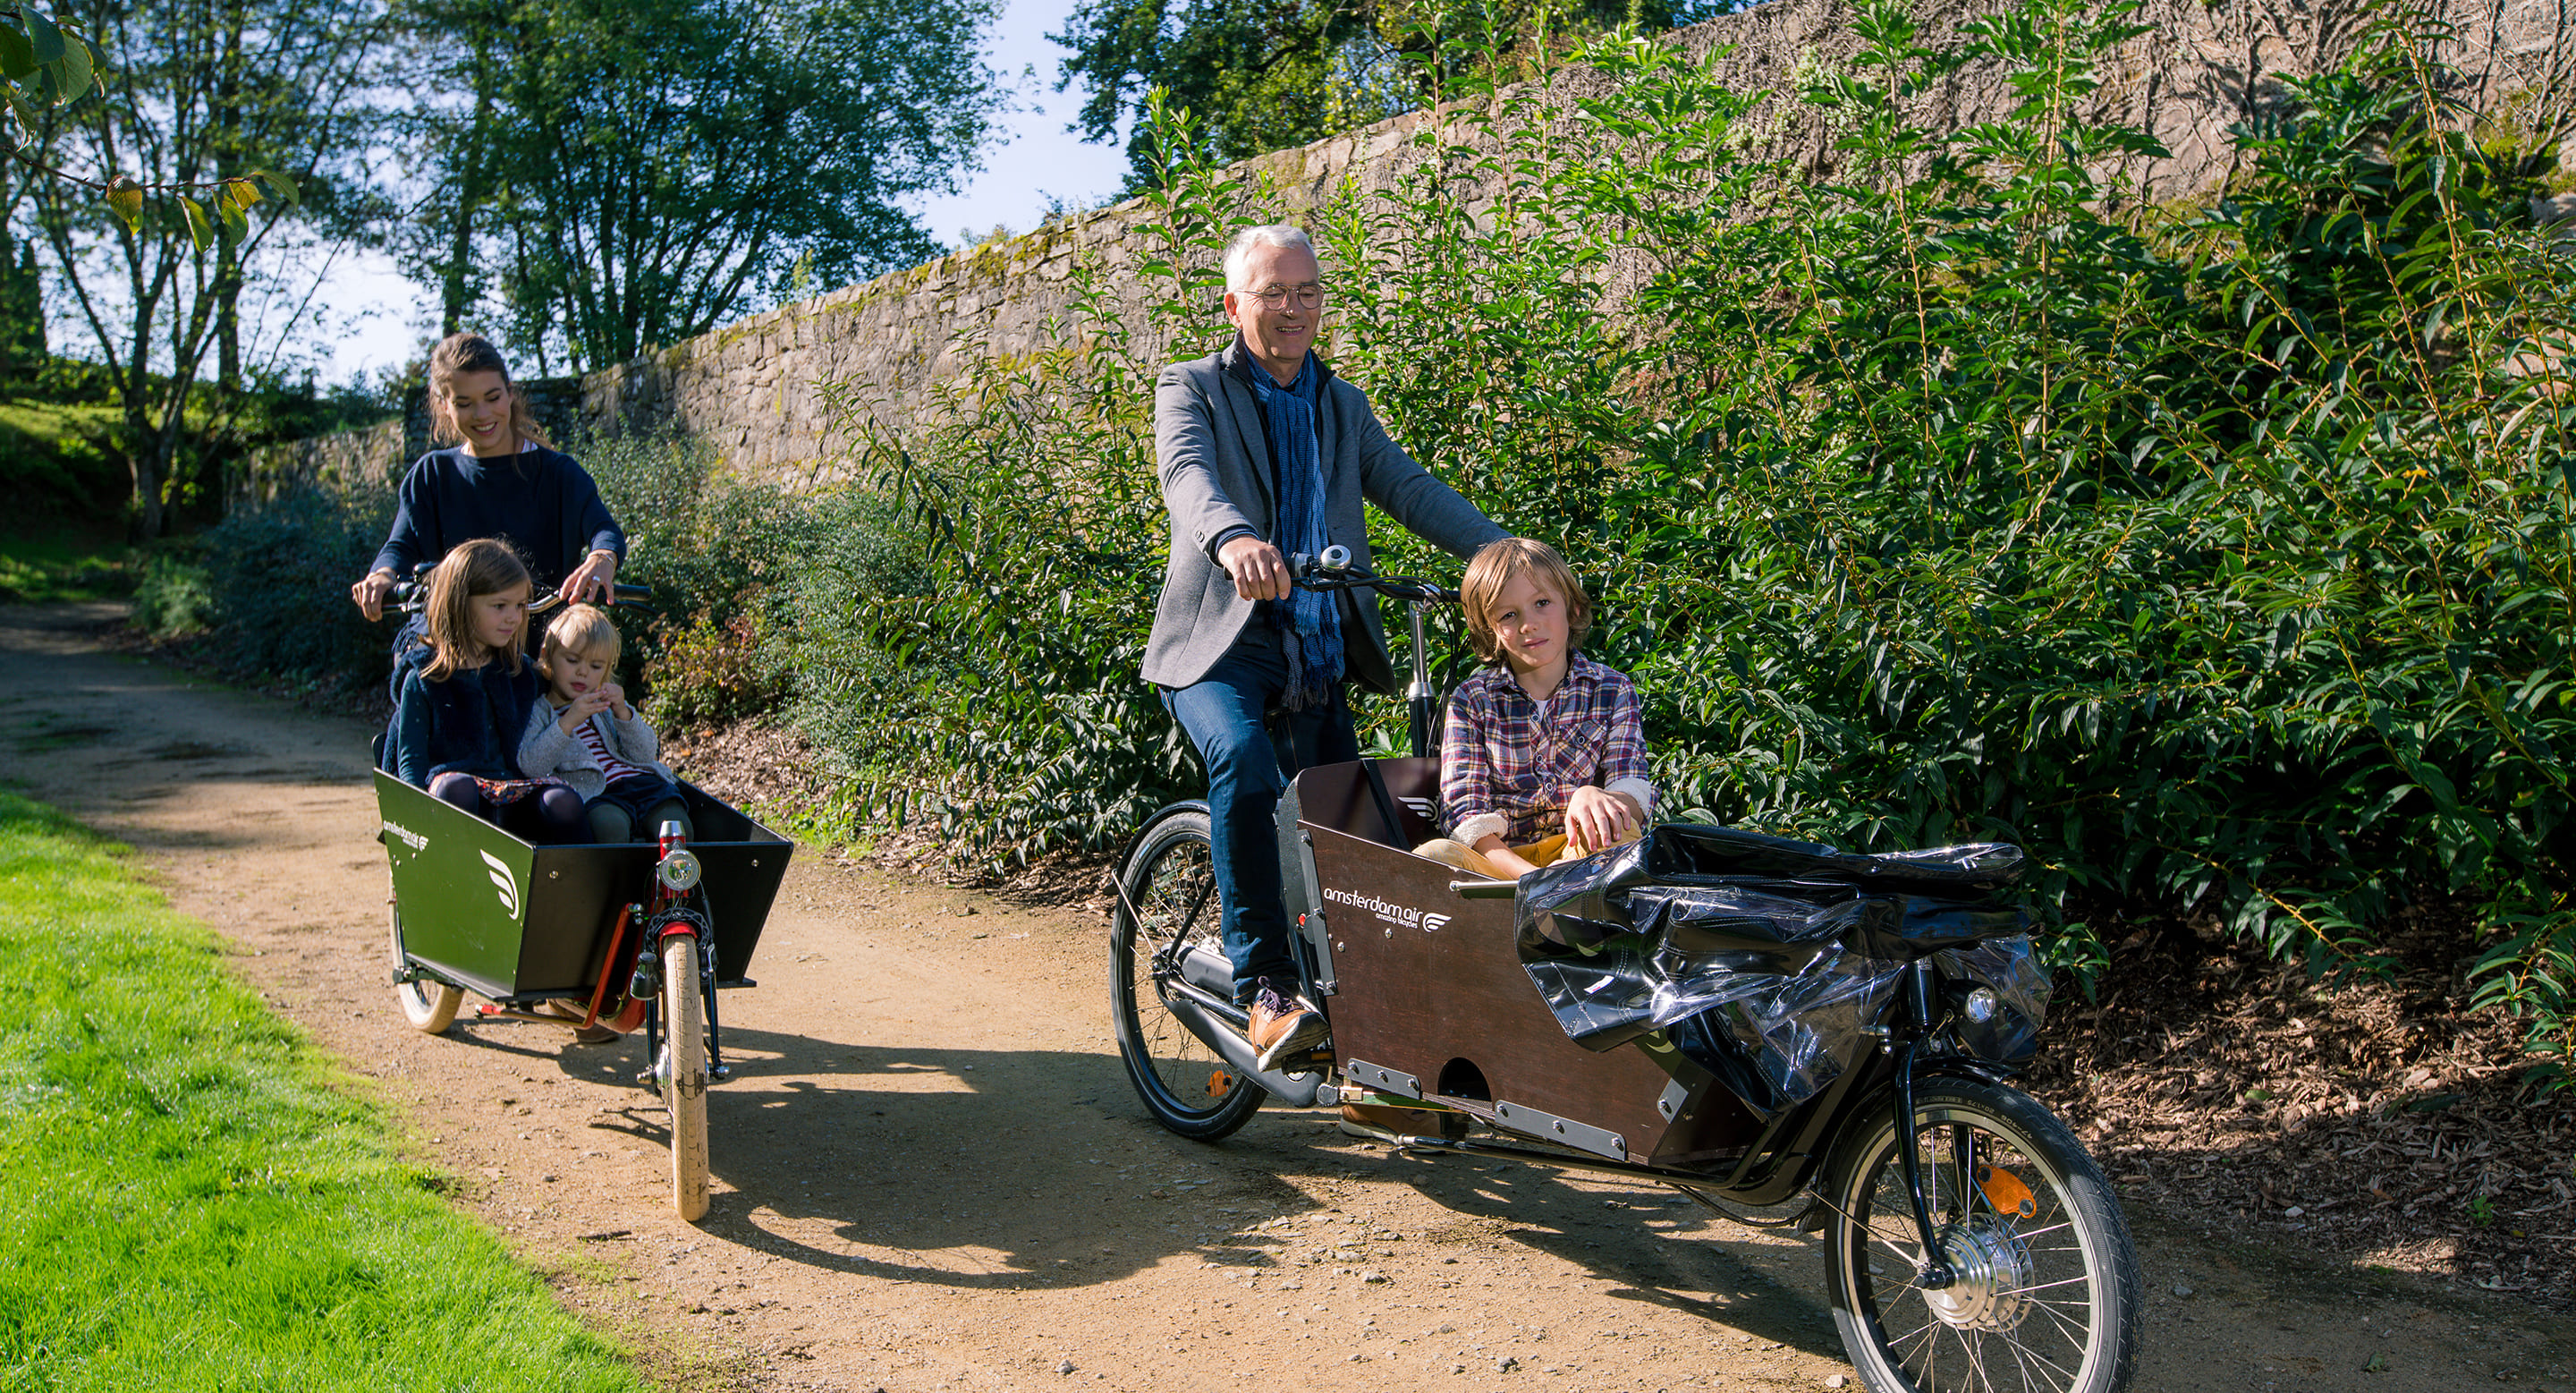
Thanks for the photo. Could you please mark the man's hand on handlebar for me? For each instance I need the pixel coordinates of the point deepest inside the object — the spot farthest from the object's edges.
(1259, 571)
(370, 594)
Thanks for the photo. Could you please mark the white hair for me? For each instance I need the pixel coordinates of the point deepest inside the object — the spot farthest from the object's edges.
(1286, 236)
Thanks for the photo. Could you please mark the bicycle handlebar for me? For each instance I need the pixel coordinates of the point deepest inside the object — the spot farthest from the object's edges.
(409, 596)
(1332, 570)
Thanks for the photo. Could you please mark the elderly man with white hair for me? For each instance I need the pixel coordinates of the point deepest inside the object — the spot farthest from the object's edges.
(1264, 453)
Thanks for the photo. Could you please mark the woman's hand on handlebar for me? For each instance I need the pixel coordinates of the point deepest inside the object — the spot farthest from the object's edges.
(593, 581)
(369, 593)
(1259, 571)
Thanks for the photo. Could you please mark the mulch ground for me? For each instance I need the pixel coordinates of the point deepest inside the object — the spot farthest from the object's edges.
(2385, 1121)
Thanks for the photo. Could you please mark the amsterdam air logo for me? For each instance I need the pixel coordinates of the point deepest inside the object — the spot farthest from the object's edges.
(507, 883)
(1387, 911)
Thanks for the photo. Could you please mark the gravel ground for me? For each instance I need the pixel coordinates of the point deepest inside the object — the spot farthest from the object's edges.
(930, 1175)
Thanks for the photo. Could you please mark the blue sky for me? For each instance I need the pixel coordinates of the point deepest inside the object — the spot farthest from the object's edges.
(380, 319)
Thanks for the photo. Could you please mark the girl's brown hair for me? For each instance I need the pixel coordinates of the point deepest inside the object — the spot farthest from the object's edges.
(1482, 588)
(584, 631)
(461, 353)
(484, 566)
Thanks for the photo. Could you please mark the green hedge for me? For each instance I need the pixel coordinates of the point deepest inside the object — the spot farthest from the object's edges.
(2223, 556)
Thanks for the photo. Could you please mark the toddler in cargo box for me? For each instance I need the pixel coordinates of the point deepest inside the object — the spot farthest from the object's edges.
(584, 733)
(1543, 756)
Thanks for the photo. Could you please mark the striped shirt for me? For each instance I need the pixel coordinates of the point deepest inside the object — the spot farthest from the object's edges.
(610, 766)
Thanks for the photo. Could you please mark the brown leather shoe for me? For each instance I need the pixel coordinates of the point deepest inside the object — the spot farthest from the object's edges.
(1370, 1119)
(1283, 1027)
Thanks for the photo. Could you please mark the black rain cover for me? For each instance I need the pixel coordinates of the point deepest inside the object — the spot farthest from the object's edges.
(1765, 957)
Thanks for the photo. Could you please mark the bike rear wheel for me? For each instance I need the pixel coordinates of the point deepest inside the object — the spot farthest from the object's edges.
(429, 1006)
(2048, 1292)
(1170, 907)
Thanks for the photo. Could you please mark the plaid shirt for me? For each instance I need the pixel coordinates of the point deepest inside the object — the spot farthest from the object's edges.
(1509, 765)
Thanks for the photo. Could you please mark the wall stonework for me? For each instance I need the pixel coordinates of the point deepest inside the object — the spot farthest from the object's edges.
(756, 391)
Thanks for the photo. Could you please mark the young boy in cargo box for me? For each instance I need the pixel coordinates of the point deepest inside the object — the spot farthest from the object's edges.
(1544, 753)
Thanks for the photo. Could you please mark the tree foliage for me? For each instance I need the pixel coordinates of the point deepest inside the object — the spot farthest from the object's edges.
(229, 108)
(2223, 555)
(1263, 75)
(618, 174)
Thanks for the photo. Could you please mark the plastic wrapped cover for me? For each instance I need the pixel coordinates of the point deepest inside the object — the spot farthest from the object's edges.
(2012, 967)
(1765, 957)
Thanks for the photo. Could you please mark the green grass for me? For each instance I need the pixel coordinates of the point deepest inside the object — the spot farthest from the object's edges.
(54, 567)
(198, 1198)
(57, 461)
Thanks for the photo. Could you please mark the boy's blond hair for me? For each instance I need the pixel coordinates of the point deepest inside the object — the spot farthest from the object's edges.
(1494, 568)
(484, 566)
(583, 631)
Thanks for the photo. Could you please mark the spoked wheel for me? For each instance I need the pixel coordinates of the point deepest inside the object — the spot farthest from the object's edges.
(2047, 1294)
(682, 1073)
(429, 1006)
(1171, 882)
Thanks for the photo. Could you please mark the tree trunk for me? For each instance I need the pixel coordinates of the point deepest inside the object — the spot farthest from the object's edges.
(455, 285)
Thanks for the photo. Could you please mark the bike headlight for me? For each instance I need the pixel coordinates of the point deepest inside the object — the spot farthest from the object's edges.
(1978, 1006)
(680, 870)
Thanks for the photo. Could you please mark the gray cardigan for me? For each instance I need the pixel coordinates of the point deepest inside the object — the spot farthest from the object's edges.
(1214, 459)
(545, 751)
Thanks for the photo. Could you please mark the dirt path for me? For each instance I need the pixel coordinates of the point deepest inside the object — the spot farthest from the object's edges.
(931, 1175)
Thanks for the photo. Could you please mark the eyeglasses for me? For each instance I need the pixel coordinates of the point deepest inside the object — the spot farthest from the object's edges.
(1277, 297)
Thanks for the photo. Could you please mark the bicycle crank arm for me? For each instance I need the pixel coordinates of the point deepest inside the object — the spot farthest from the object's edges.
(1223, 1036)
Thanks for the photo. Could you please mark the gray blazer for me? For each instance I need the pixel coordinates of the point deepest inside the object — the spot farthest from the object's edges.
(1214, 458)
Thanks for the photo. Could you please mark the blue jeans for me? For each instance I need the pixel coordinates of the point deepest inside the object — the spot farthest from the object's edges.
(1246, 775)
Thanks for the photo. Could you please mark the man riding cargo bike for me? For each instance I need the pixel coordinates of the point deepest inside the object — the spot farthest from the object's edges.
(1758, 1023)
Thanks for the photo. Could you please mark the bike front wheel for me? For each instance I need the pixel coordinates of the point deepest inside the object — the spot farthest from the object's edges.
(1168, 908)
(2047, 1293)
(682, 1071)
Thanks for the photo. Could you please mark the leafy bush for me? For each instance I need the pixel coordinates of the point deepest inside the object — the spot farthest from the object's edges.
(715, 549)
(269, 586)
(2220, 555)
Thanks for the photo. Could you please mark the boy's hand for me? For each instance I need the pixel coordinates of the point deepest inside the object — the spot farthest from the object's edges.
(1595, 819)
(617, 701)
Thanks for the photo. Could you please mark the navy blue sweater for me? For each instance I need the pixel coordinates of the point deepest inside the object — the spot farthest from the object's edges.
(539, 501)
(469, 723)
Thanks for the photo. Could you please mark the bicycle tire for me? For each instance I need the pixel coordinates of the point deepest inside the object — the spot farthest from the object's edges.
(682, 1072)
(1170, 883)
(2048, 1295)
(429, 1005)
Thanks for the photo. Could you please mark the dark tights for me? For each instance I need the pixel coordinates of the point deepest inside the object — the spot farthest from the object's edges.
(551, 814)
(611, 823)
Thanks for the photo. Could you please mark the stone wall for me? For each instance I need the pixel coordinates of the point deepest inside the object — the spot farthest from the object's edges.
(756, 389)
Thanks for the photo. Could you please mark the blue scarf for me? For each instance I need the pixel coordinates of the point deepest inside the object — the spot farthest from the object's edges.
(1311, 631)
